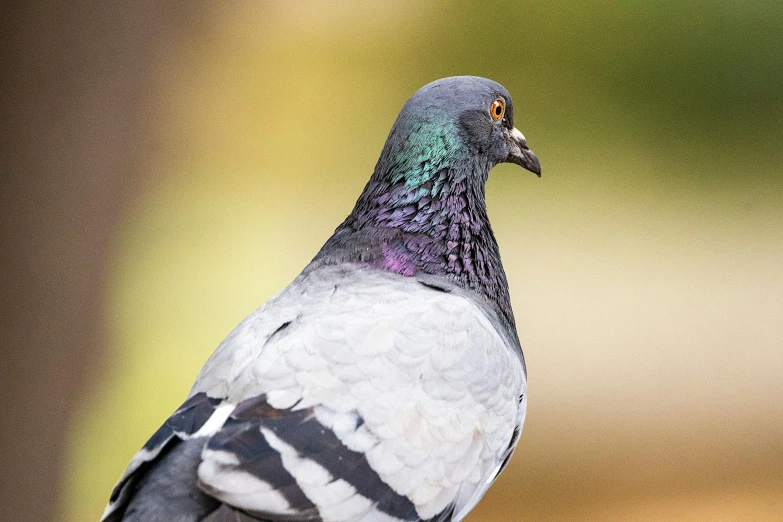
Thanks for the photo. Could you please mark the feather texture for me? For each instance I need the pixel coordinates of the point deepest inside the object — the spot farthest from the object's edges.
(361, 407)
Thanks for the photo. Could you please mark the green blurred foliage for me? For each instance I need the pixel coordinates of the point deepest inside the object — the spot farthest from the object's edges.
(658, 125)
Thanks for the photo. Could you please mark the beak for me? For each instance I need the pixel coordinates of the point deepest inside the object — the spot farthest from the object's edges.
(520, 154)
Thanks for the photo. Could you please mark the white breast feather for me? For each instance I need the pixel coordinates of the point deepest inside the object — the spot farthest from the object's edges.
(435, 384)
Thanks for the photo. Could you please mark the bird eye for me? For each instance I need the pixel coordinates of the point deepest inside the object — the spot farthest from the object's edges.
(497, 109)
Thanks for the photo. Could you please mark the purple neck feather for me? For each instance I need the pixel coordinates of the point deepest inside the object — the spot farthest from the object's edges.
(437, 225)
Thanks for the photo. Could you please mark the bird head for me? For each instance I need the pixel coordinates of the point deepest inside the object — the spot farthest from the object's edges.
(454, 120)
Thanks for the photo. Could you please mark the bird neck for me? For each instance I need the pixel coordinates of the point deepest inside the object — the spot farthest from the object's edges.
(426, 218)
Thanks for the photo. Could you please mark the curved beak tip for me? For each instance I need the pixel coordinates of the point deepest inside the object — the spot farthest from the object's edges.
(521, 155)
(533, 165)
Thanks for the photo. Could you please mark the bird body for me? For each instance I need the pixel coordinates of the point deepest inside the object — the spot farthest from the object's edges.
(386, 382)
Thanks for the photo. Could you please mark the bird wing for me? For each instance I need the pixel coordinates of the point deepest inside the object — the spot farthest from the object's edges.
(358, 395)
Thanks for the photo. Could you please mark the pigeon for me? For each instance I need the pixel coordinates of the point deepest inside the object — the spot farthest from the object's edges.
(386, 383)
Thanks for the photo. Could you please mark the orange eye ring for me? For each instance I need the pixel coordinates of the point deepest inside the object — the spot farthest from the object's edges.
(497, 109)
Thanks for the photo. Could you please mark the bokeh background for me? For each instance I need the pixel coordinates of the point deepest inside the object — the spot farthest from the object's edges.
(167, 168)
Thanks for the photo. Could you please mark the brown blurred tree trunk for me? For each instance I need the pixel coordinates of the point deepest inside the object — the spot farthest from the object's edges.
(76, 83)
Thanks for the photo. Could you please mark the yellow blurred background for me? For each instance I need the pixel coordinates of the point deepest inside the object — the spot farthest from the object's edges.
(646, 266)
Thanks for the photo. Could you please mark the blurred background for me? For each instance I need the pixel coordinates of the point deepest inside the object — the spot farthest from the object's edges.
(168, 168)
